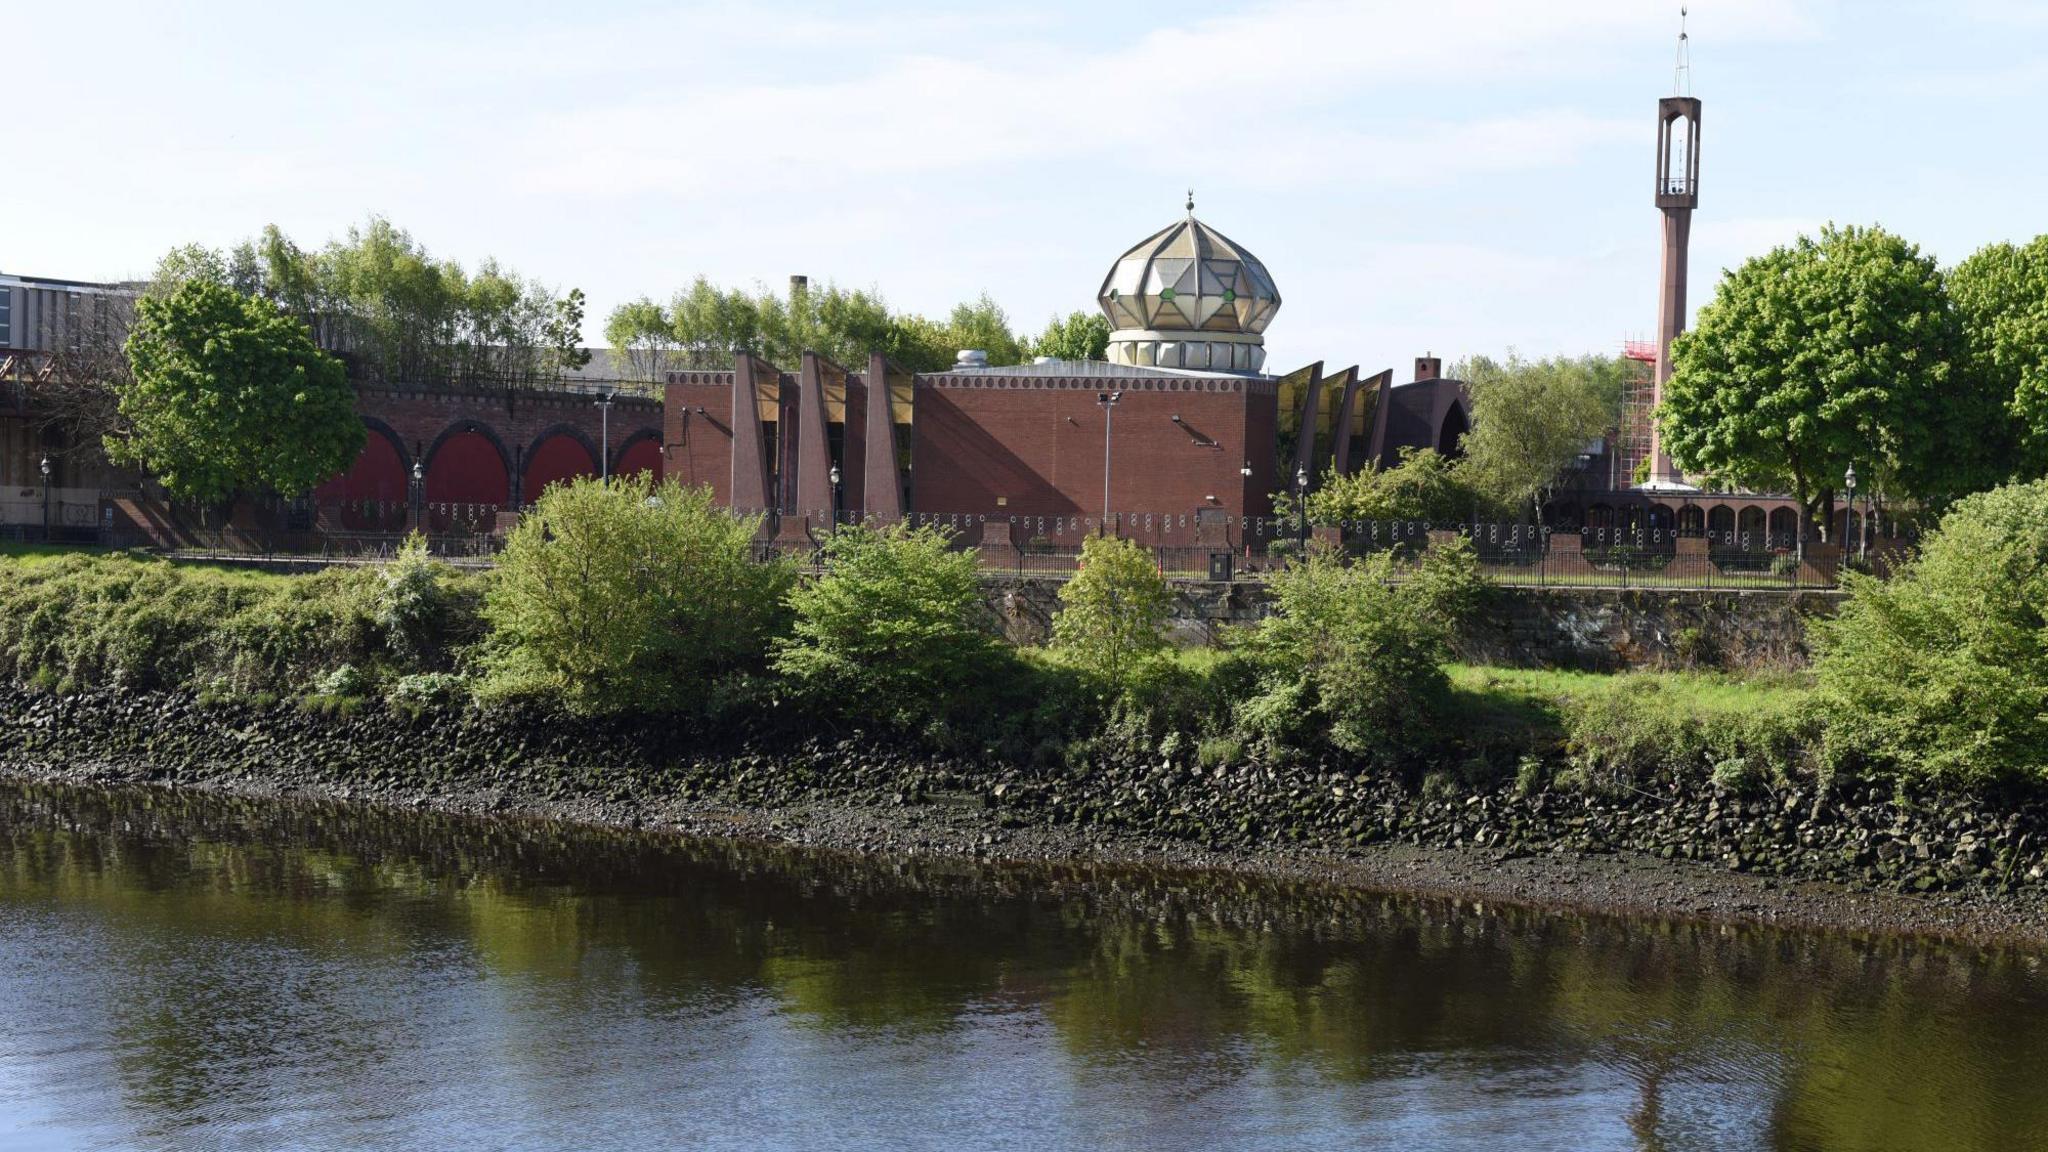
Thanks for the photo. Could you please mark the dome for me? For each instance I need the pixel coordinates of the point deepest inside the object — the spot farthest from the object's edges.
(1189, 297)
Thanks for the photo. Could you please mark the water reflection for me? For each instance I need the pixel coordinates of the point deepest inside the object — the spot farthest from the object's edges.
(186, 971)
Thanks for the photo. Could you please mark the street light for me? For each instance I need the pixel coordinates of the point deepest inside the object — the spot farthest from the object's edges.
(833, 474)
(419, 489)
(45, 468)
(1849, 502)
(1246, 471)
(604, 463)
(1301, 506)
(1108, 400)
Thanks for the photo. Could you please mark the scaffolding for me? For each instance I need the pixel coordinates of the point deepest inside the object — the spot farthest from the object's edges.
(1632, 438)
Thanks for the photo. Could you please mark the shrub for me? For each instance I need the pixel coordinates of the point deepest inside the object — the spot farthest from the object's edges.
(1353, 657)
(413, 603)
(426, 690)
(890, 631)
(1638, 731)
(1423, 486)
(1942, 671)
(624, 595)
(1113, 611)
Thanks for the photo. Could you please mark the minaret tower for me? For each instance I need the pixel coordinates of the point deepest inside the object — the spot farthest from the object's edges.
(1678, 193)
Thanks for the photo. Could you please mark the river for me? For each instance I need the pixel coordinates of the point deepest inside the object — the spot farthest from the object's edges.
(184, 971)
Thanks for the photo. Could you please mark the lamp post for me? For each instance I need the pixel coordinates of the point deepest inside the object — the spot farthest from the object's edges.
(1848, 504)
(834, 476)
(419, 490)
(604, 448)
(45, 469)
(1108, 400)
(1301, 507)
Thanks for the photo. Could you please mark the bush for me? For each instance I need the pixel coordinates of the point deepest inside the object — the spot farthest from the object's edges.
(1113, 611)
(1353, 658)
(891, 631)
(415, 605)
(1942, 671)
(1423, 486)
(423, 691)
(1641, 731)
(623, 595)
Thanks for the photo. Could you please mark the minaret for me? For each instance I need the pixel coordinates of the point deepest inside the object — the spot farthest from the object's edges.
(1678, 193)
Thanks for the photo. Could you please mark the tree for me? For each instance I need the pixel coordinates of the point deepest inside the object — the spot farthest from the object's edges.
(712, 324)
(2001, 295)
(1942, 670)
(644, 336)
(1113, 611)
(1081, 336)
(890, 631)
(624, 595)
(1836, 351)
(1532, 418)
(228, 393)
(982, 324)
(1423, 486)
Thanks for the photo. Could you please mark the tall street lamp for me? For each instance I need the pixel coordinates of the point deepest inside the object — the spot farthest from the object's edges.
(833, 475)
(1848, 504)
(1301, 507)
(1108, 400)
(45, 469)
(419, 489)
(604, 451)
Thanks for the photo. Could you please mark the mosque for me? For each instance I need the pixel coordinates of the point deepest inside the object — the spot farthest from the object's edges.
(1179, 438)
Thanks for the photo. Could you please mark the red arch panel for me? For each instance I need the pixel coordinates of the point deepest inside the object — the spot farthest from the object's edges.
(643, 456)
(372, 494)
(555, 459)
(466, 483)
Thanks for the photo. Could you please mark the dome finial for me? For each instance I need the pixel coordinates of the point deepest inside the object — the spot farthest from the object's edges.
(1191, 201)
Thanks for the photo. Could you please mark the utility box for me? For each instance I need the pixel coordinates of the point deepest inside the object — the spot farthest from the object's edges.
(1219, 567)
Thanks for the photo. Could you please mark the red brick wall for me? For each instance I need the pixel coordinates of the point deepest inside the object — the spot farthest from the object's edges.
(516, 419)
(1038, 448)
(698, 445)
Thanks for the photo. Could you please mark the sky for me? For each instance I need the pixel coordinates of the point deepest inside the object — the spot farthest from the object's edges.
(1453, 177)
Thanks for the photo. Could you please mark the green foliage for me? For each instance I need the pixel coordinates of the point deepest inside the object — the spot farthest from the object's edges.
(2001, 296)
(401, 314)
(1532, 418)
(1838, 350)
(1080, 336)
(984, 325)
(1353, 657)
(1643, 731)
(1423, 486)
(643, 334)
(228, 393)
(623, 595)
(1942, 670)
(1113, 611)
(891, 631)
(418, 606)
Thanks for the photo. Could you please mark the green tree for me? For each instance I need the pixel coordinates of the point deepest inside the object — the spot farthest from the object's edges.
(1532, 418)
(643, 334)
(1080, 336)
(891, 629)
(1942, 670)
(227, 393)
(1835, 351)
(1113, 611)
(2001, 295)
(982, 323)
(1423, 486)
(919, 344)
(711, 324)
(1353, 656)
(626, 595)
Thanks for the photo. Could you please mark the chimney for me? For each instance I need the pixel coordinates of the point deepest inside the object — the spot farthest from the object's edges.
(1428, 367)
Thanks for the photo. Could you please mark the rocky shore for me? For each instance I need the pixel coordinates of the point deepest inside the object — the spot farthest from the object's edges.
(1860, 858)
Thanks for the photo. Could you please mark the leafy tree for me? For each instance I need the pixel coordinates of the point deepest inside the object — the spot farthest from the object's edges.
(1081, 336)
(983, 324)
(712, 324)
(1423, 486)
(1113, 611)
(623, 595)
(1835, 351)
(228, 393)
(2001, 294)
(890, 630)
(919, 344)
(1942, 670)
(1532, 418)
(644, 336)
(1353, 657)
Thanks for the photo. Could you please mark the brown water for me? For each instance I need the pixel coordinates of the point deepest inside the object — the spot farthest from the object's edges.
(186, 972)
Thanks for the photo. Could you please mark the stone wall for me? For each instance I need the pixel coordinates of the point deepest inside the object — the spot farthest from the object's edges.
(1587, 628)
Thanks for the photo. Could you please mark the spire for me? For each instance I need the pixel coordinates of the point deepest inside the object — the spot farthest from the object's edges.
(1191, 201)
(1681, 79)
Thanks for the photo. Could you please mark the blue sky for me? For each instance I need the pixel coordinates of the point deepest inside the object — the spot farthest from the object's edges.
(1453, 176)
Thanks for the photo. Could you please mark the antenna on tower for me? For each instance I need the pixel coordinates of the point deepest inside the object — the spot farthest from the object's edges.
(1191, 201)
(1681, 79)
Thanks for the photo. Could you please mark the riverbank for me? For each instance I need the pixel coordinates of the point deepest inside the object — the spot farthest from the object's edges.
(1868, 862)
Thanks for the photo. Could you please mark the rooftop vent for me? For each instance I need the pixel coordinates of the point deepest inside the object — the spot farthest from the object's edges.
(971, 358)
